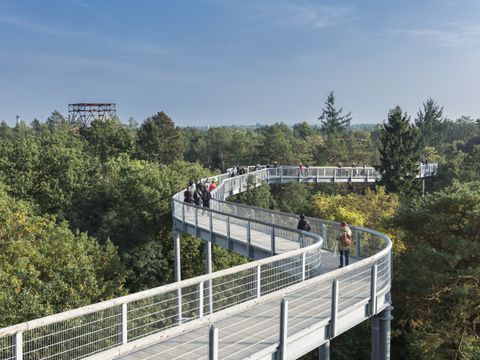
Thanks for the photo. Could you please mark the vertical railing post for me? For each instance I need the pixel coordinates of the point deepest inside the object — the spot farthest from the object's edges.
(19, 346)
(210, 225)
(196, 220)
(213, 343)
(249, 240)
(272, 241)
(373, 290)
(334, 309)
(183, 217)
(200, 299)
(124, 324)
(357, 243)
(325, 236)
(304, 265)
(259, 281)
(282, 349)
(317, 171)
(208, 248)
(229, 238)
(178, 274)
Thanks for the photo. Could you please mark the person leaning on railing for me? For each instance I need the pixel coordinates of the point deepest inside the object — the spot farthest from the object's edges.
(303, 224)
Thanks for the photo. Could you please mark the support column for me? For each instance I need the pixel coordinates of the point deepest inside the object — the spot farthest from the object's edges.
(324, 351)
(178, 274)
(375, 332)
(385, 318)
(208, 255)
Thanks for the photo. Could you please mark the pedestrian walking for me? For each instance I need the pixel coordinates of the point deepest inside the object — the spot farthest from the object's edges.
(206, 196)
(197, 195)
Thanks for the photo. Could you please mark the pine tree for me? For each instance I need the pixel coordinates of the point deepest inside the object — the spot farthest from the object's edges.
(332, 122)
(159, 140)
(399, 153)
(431, 124)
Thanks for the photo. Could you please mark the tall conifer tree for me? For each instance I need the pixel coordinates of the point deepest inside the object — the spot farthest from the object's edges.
(333, 122)
(399, 153)
(431, 124)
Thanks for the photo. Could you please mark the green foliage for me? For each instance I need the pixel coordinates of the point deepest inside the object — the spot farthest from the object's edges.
(159, 140)
(438, 287)
(431, 124)
(333, 123)
(46, 268)
(108, 139)
(51, 169)
(255, 196)
(399, 153)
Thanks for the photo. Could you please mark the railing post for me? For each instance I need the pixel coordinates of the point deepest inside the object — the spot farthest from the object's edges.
(357, 242)
(196, 220)
(124, 324)
(249, 239)
(19, 346)
(272, 241)
(304, 265)
(183, 217)
(178, 274)
(282, 349)
(259, 281)
(200, 299)
(208, 248)
(373, 290)
(334, 309)
(325, 236)
(210, 225)
(229, 238)
(213, 343)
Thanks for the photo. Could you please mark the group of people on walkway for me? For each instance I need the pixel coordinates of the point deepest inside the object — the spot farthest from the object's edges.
(199, 194)
(344, 239)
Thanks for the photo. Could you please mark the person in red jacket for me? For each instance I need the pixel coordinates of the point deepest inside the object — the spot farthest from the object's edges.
(212, 186)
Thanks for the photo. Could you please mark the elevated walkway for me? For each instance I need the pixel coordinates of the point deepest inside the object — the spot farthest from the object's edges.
(290, 300)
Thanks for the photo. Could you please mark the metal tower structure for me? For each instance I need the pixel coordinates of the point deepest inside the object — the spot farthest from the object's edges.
(84, 113)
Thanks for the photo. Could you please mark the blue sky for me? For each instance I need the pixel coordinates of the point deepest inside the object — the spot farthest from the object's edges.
(223, 62)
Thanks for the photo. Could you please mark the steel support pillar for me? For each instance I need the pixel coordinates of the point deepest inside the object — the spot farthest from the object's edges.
(385, 318)
(324, 351)
(208, 256)
(375, 334)
(178, 272)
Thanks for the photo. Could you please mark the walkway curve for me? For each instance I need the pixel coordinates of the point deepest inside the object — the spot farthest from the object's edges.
(243, 302)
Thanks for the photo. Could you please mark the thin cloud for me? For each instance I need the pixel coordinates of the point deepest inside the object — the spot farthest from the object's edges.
(39, 28)
(126, 45)
(304, 15)
(455, 35)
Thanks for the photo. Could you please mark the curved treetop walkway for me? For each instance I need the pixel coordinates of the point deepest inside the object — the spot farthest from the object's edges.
(290, 300)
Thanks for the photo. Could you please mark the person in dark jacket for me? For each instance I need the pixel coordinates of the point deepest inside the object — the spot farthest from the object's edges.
(206, 196)
(303, 224)
(197, 194)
